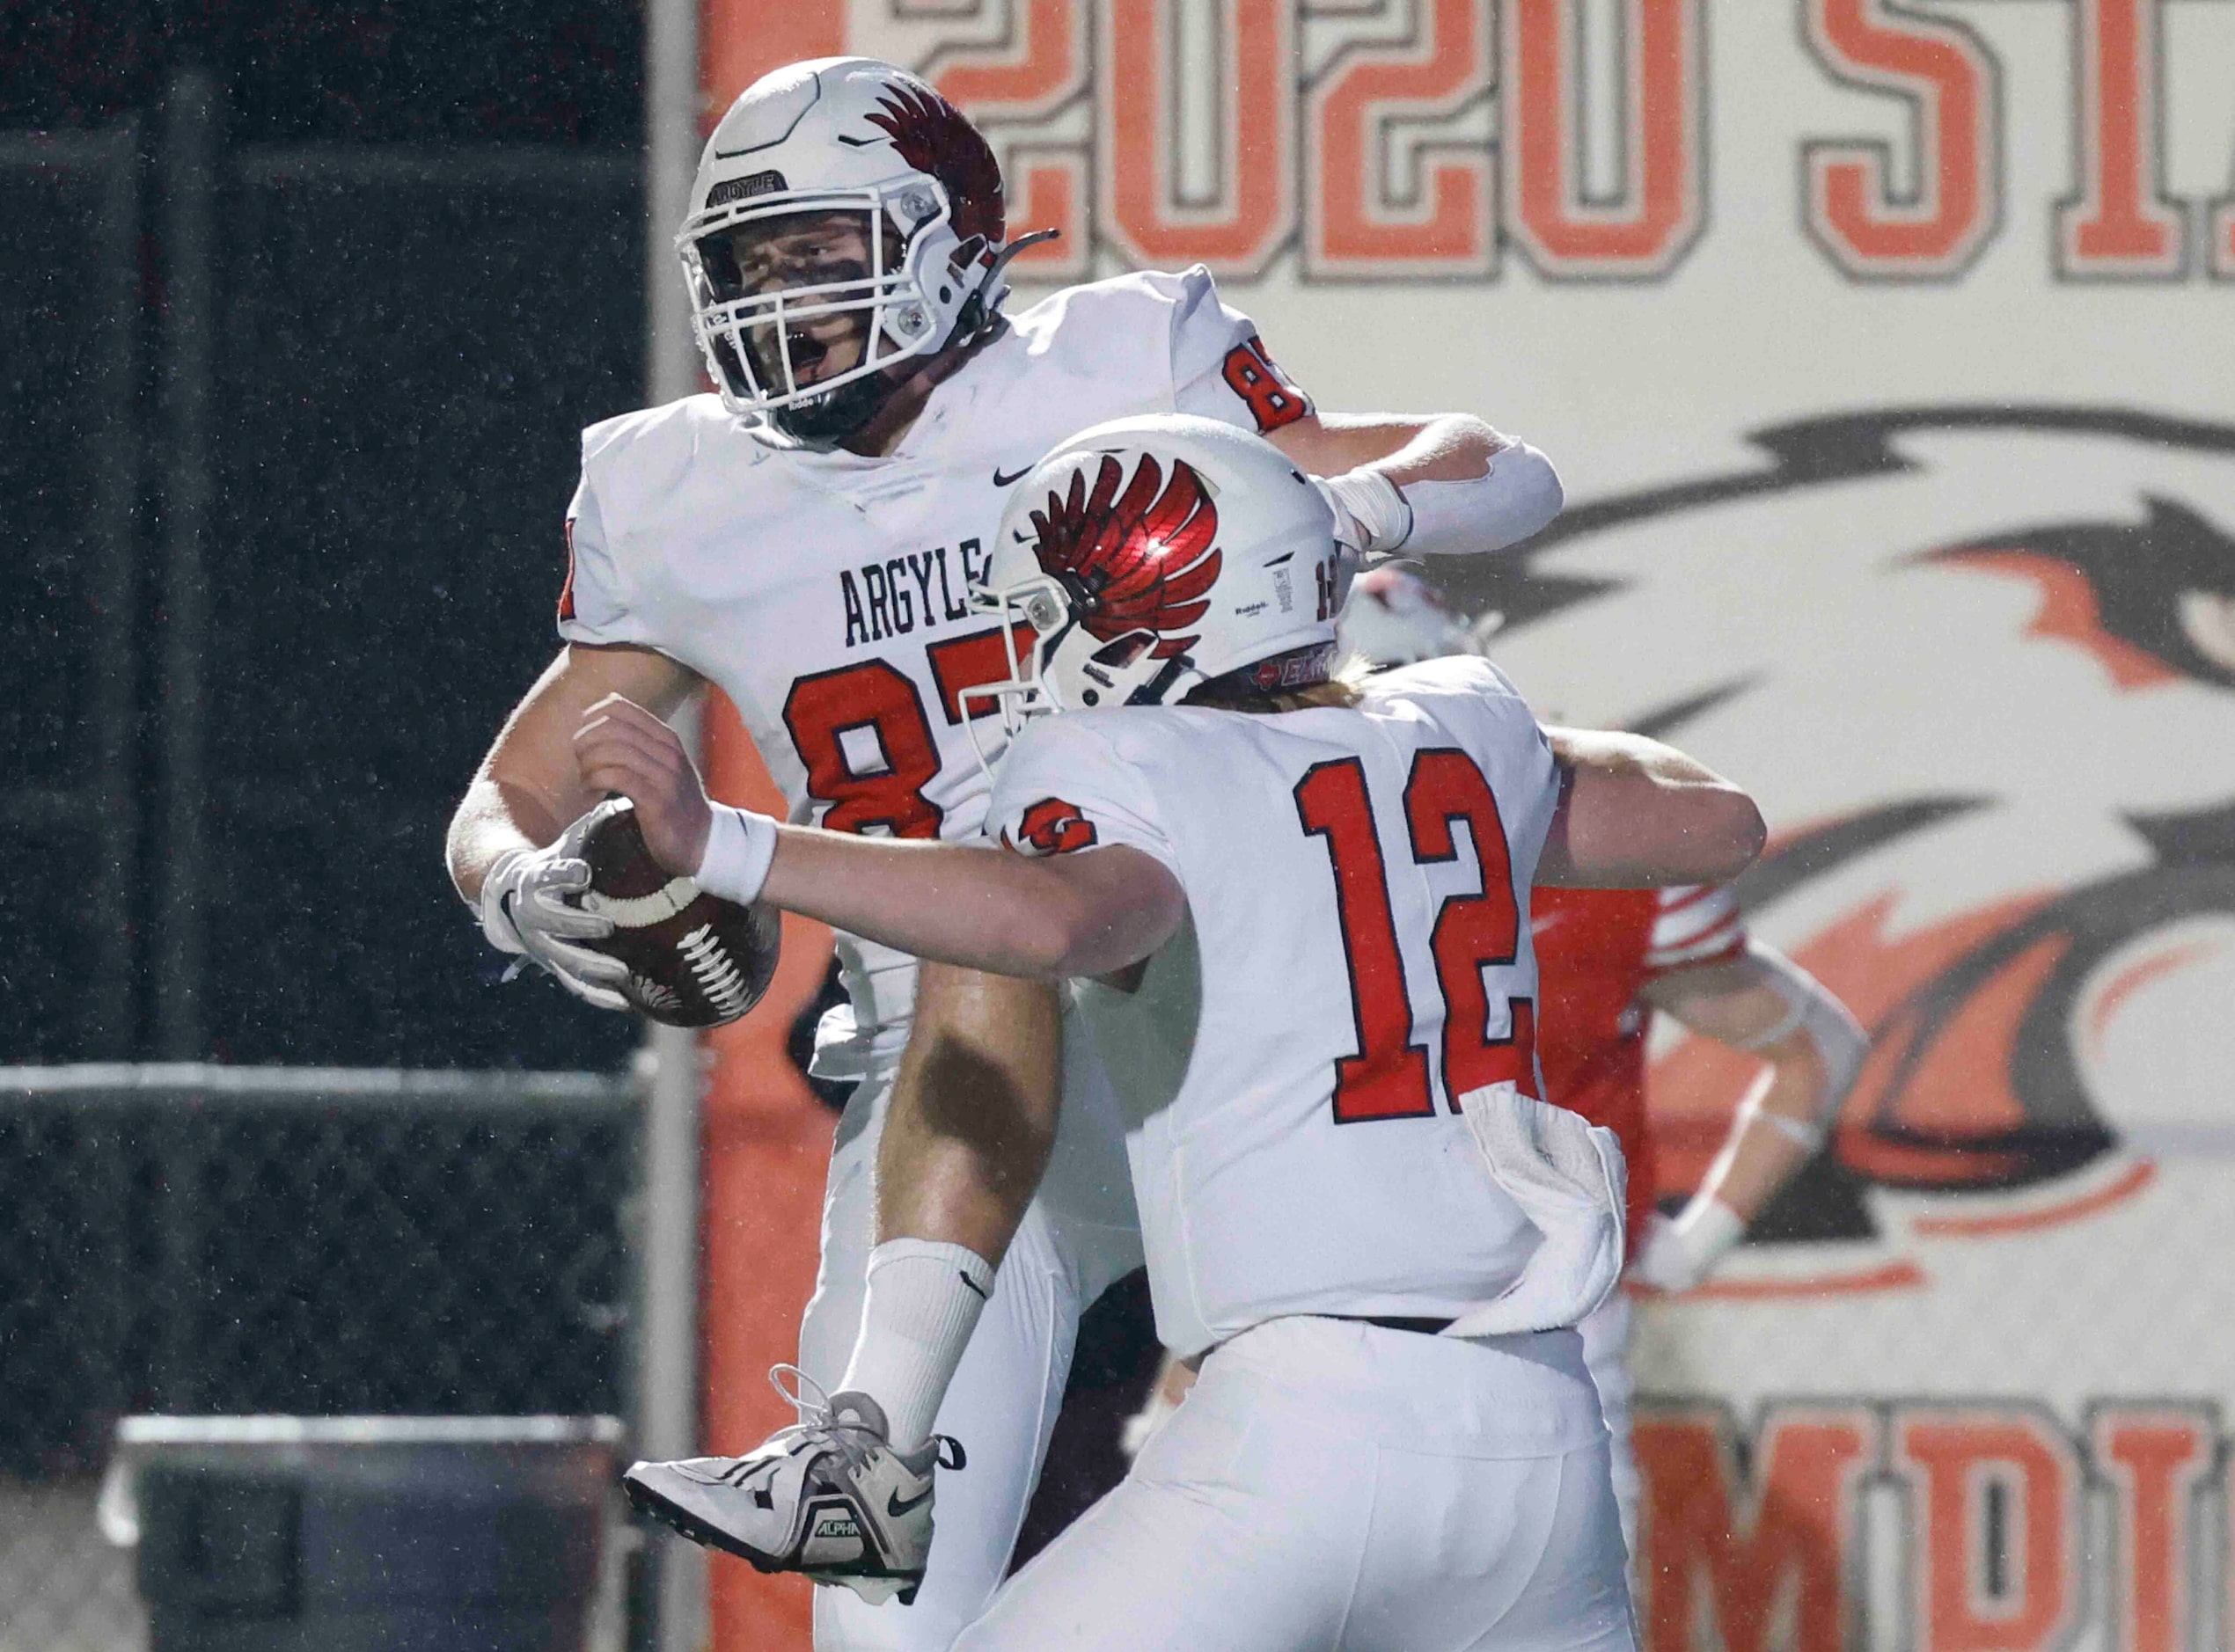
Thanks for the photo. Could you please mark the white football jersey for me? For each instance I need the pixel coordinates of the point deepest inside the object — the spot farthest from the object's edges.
(1357, 957)
(826, 594)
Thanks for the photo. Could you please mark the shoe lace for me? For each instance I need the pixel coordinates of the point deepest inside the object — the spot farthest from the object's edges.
(818, 1423)
(853, 1436)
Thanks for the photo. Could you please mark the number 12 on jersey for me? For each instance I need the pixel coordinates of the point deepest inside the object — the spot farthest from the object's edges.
(1389, 1077)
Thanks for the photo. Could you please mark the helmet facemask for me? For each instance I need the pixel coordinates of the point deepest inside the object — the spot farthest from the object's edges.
(802, 301)
(1036, 608)
(1064, 666)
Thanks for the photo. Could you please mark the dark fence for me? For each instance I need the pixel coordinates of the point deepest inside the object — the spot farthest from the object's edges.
(287, 439)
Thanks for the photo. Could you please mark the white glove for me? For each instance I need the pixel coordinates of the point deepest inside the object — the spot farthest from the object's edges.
(523, 911)
(1677, 1255)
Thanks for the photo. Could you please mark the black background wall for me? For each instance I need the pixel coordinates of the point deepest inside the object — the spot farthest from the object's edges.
(418, 273)
(465, 71)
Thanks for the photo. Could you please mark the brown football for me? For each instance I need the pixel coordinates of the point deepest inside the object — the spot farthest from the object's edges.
(694, 959)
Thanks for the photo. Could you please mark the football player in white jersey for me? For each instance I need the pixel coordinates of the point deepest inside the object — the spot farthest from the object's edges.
(807, 539)
(1296, 915)
(1606, 961)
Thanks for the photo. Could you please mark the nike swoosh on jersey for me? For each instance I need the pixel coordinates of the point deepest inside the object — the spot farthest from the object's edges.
(896, 1505)
(1013, 478)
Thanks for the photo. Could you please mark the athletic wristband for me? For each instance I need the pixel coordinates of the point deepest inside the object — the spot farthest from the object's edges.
(1370, 512)
(739, 846)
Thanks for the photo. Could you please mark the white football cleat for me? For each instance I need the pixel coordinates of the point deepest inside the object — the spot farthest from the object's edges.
(827, 1496)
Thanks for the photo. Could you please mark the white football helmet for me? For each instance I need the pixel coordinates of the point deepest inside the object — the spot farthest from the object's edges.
(1394, 617)
(906, 197)
(1149, 555)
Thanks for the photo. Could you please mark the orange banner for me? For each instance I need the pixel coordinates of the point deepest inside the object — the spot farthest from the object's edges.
(766, 1145)
(740, 40)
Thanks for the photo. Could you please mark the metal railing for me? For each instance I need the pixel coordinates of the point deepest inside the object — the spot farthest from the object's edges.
(197, 1239)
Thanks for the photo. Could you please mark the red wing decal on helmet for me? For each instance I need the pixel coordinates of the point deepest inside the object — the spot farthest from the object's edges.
(1053, 827)
(1143, 559)
(933, 136)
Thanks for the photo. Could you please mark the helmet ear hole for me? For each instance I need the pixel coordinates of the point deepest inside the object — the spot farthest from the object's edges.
(1120, 654)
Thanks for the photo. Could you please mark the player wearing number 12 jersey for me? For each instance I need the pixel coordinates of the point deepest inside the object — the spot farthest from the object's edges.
(807, 539)
(1606, 959)
(1298, 909)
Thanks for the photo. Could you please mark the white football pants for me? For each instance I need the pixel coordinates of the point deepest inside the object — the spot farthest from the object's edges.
(1606, 1350)
(1334, 1487)
(1078, 1238)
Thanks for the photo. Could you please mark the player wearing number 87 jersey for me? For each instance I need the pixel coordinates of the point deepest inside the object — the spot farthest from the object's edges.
(1297, 911)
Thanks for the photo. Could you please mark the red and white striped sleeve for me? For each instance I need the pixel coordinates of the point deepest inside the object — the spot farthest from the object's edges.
(1697, 923)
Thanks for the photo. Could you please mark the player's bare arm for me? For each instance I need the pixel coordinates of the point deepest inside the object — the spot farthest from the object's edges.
(507, 849)
(529, 786)
(973, 1115)
(1443, 485)
(1404, 447)
(1634, 813)
(1761, 1002)
(981, 908)
(985, 908)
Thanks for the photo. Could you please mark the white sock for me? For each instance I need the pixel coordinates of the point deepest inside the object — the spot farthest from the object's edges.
(923, 1302)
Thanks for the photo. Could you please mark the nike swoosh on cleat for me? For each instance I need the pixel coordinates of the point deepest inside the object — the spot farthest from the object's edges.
(1014, 477)
(896, 1505)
